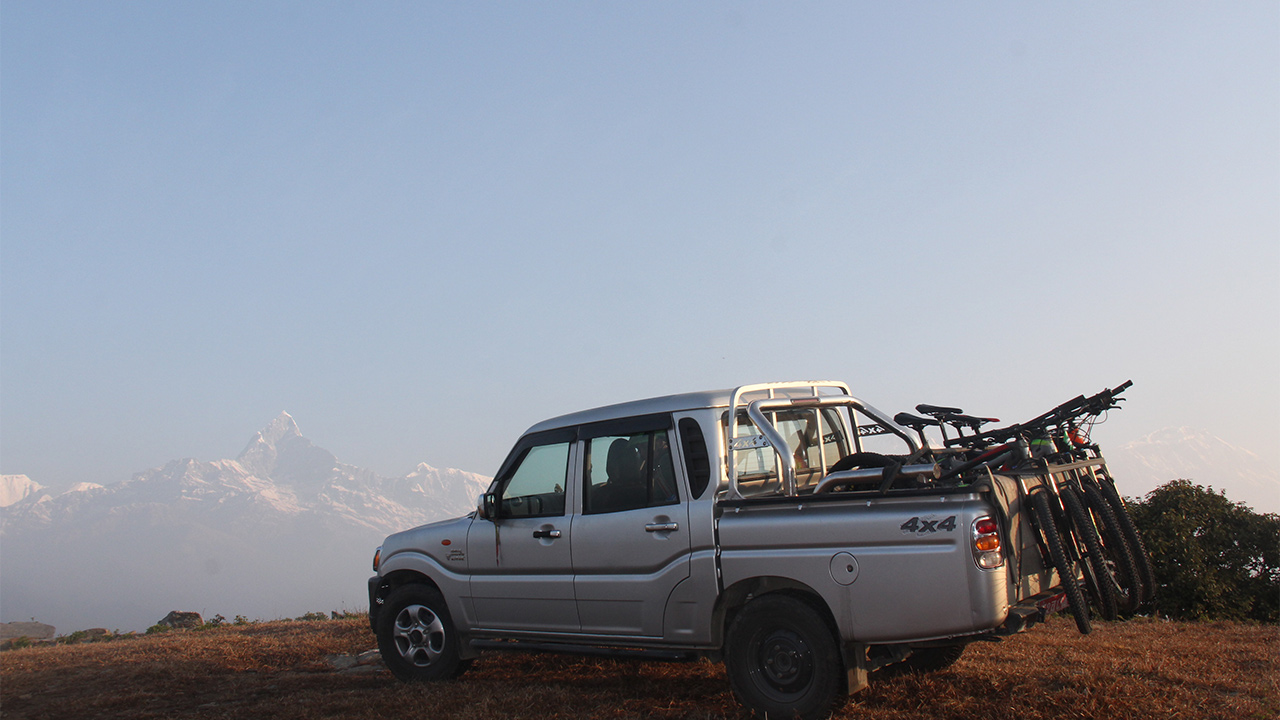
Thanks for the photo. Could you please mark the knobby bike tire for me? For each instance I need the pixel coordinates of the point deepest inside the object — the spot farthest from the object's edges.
(1101, 582)
(1116, 549)
(1058, 556)
(1137, 549)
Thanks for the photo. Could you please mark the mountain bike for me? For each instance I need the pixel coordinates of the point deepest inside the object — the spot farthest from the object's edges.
(1082, 525)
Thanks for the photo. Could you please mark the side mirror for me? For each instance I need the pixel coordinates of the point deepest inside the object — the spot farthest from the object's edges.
(488, 506)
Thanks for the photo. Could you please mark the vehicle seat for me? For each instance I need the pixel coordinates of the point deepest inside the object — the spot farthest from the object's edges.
(625, 488)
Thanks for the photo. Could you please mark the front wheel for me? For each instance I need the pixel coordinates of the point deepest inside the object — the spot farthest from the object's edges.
(416, 636)
(783, 659)
(1141, 560)
(1044, 522)
(1117, 550)
(1100, 580)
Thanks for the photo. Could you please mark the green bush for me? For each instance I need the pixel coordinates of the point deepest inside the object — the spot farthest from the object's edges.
(1213, 559)
(312, 617)
(214, 622)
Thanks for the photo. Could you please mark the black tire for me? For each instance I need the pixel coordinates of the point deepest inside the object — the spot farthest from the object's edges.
(1116, 548)
(1058, 557)
(933, 659)
(1100, 582)
(862, 460)
(416, 636)
(1137, 549)
(783, 659)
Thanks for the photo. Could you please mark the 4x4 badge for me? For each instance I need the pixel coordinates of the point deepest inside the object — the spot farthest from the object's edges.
(920, 526)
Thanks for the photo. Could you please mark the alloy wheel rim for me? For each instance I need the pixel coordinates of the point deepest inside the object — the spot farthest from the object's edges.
(419, 635)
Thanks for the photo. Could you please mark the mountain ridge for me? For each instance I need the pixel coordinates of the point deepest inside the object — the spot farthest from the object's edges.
(285, 525)
(1188, 453)
(15, 488)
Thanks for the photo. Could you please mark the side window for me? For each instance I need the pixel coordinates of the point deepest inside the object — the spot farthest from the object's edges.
(696, 458)
(627, 472)
(536, 487)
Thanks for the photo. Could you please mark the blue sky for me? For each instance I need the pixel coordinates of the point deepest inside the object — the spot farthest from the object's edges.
(422, 227)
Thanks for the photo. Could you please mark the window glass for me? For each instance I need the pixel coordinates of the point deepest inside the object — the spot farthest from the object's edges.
(756, 467)
(536, 488)
(696, 459)
(813, 440)
(626, 472)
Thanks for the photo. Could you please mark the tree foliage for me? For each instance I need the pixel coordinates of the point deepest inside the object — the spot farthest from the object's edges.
(1213, 558)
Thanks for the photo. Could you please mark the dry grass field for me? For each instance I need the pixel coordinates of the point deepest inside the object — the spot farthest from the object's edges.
(281, 670)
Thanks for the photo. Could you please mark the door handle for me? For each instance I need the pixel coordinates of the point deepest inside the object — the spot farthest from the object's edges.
(662, 527)
(552, 534)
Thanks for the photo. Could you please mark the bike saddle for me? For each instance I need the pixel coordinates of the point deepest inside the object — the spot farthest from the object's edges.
(937, 409)
(913, 421)
(970, 420)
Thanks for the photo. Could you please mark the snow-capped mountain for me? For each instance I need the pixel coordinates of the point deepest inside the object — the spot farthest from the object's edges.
(283, 529)
(1185, 453)
(14, 488)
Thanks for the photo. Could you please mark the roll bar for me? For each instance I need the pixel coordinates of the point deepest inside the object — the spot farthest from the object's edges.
(758, 411)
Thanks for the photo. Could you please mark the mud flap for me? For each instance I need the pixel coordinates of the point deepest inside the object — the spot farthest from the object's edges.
(855, 662)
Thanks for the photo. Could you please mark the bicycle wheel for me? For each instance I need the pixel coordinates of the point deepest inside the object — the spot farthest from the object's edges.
(1058, 556)
(1100, 582)
(1141, 561)
(1116, 549)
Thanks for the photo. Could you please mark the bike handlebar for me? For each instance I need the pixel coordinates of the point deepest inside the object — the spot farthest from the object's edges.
(1078, 406)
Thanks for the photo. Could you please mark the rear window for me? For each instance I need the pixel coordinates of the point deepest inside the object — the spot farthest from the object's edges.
(813, 439)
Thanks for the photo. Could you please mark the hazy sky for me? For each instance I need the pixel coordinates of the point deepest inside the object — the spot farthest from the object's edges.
(422, 227)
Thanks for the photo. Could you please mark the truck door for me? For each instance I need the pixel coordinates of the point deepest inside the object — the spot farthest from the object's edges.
(631, 540)
(522, 572)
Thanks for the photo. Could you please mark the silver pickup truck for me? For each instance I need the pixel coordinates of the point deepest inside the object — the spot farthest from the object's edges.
(758, 526)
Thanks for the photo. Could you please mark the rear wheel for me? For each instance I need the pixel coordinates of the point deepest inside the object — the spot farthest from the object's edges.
(1058, 557)
(783, 659)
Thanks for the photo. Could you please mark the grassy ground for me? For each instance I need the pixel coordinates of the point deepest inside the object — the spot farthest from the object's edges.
(280, 670)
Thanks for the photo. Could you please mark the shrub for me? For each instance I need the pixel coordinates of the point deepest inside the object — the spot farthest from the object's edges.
(312, 617)
(73, 638)
(1213, 559)
(213, 622)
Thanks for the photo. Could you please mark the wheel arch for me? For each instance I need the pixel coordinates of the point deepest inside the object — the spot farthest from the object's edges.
(388, 583)
(736, 596)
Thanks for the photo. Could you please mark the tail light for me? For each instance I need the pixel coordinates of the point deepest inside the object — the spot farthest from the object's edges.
(987, 550)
